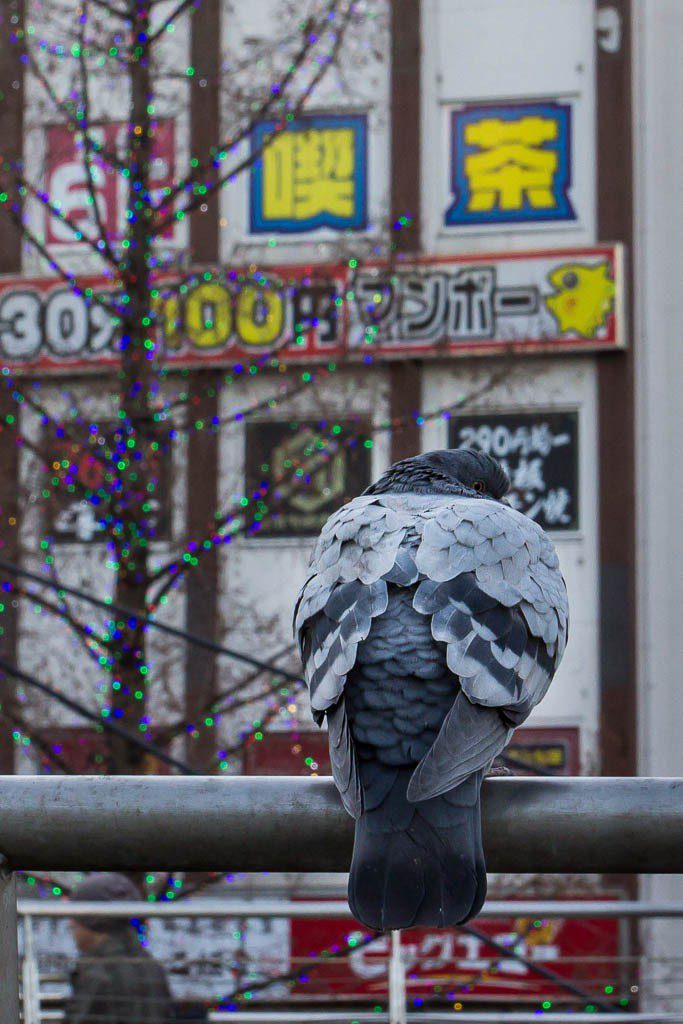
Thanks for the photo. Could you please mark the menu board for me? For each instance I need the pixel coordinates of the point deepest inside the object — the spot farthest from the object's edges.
(539, 451)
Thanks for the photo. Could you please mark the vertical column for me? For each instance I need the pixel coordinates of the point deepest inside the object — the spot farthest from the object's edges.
(9, 955)
(616, 412)
(406, 89)
(406, 93)
(405, 399)
(616, 431)
(9, 550)
(657, 31)
(202, 464)
(11, 120)
(11, 148)
(30, 978)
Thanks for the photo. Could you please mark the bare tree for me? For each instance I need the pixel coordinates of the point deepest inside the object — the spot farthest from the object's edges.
(85, 61)
(90, 64)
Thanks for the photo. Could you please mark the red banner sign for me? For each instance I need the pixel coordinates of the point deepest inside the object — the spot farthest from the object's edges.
(453, 966)
(66, 178)
(551, 301)
(553, 749)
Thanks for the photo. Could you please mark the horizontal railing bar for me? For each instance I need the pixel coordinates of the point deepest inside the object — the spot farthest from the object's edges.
(462, 1017)
(248, 823)
(431, 1017)
(209, 908)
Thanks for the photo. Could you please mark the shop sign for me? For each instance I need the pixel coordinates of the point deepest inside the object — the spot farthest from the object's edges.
(310, 175)
(67, 185)
(550, 301)
(334, 465)
(447, 965)
(511, 163)
(540, 453)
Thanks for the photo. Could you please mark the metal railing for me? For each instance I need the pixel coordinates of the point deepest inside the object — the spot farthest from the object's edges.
(35, 1013)
(247, 823)
(590, 825)
(299, 1016)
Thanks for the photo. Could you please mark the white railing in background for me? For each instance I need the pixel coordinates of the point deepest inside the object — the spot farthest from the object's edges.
(35, 1012)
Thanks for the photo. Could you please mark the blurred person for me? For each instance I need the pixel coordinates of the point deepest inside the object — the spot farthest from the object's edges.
(115, 981)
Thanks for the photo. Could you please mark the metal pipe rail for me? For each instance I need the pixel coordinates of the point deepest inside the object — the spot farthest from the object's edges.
(431, 1017)
(35, 1011)
(589, 825)
(299, 1016)
(320, 909)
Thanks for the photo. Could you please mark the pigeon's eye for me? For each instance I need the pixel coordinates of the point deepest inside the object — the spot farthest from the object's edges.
(478, 486)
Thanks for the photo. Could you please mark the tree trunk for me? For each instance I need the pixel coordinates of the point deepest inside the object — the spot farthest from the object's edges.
(11, 133)
(135, 434)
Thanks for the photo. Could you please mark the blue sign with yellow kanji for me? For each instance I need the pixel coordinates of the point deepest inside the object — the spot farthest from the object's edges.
(511, 163)
(312, 174)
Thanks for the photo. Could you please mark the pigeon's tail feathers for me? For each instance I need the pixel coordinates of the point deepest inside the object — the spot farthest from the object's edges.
(419, 864)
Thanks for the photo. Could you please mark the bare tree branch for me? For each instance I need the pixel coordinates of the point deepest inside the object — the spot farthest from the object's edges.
(23, 184)
(37, 740)
(214, 181)
(182, 8)
(102, 244)
(65, 109)
(136, 267)
(213, 706)
(61, 611)
(61, 271)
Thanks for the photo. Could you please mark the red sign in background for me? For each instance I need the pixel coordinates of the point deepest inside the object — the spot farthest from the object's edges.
(316, 313)
(67, 182)
(553, 749)
(85, 751)
(455, 966)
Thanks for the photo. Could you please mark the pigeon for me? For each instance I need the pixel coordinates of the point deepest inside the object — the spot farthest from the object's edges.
(432, 622)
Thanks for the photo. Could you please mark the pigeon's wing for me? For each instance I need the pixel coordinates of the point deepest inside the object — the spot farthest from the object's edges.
(493, 589)
(470, 738)
(358, 552)
(343, 759)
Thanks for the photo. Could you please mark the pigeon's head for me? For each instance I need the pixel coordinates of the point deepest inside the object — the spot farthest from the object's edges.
(460, 471)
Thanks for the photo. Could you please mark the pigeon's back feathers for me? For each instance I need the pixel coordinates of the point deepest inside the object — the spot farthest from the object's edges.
(485, 575)
(430, 626)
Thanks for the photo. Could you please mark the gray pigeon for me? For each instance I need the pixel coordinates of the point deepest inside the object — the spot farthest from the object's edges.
(433, 621)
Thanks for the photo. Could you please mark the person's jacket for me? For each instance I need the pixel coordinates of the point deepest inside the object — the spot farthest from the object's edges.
(119, 984)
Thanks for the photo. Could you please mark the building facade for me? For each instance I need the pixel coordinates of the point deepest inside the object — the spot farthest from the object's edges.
(467, 236)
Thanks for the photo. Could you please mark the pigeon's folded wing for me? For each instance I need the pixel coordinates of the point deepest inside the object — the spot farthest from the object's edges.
(356, 555)
(343, 759)
(492, 586)
(470, 738)
(358, 552)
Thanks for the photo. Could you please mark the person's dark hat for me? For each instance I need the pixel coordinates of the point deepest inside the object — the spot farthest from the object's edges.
(105, 888)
